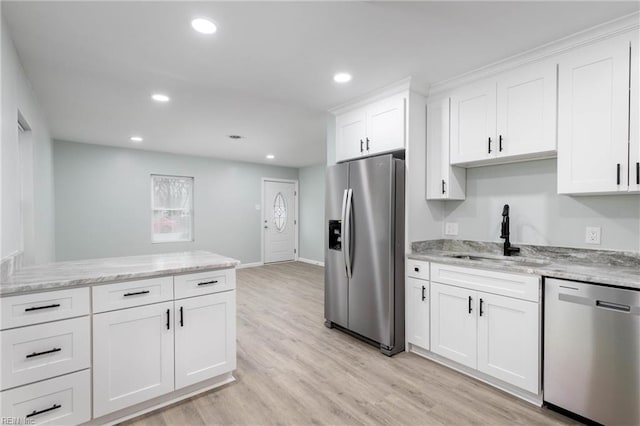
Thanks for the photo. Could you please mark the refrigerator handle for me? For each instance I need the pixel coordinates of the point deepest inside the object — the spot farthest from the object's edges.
(346, 236)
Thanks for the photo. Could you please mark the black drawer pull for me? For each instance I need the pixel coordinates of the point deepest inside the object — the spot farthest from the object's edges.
(618, 174)
(638, 173)
(135, 293)
(470, 304)
(416, 269)
(37, 308)
(489, 145)
(181, 317)
(361, 145)
(168, 325)
(423, 296)
(500, 143)
(481, 302)
(443, 186)
(46, 410)
(50, 351)
(367, 144)
(208, 282)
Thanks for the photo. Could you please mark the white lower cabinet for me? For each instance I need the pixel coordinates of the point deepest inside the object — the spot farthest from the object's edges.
(508, 343)
(132, 356)
(418, 312)
(454, 323)
(64, 400)
(205, 343)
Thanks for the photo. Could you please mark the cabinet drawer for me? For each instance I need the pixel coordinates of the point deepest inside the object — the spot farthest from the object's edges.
(204, 283)
(127, 294)
(35, 308)
(41, 351)
(62, 401)
(520, 286)
(418, 269)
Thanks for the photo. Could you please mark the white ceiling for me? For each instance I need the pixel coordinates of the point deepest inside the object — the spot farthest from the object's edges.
(267, 73)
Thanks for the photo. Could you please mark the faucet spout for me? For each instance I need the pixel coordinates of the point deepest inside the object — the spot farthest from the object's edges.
(504, 233)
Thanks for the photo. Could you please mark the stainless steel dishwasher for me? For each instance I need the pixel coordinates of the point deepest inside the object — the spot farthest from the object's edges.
(592, 351)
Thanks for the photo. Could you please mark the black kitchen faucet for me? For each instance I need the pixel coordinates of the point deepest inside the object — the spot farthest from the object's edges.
(504, 233)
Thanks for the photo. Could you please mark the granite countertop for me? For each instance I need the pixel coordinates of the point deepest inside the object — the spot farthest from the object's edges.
(77, 273)
(615, 268)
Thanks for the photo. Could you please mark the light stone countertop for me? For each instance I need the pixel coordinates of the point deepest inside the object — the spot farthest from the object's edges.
(615, 268)
(78, 273)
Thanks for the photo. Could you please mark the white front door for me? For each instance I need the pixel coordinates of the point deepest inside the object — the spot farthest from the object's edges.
(279, 221)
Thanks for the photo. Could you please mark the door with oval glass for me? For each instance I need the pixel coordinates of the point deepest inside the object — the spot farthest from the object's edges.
(279, 220)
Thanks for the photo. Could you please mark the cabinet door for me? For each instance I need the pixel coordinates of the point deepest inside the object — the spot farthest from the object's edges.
(444, 182)
(509, 340)
(634, 125)
(386, 125)
(593, 118)
(418, 309)
(350, 135)
(473, 123)
(453, 323)
(205, 337)
(526, 114)
(132, 356)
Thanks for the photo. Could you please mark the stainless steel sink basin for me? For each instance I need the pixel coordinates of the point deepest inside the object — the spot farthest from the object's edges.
(502, 260)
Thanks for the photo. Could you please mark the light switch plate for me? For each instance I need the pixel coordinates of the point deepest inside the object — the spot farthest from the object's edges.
(451, 228)
(592, 235)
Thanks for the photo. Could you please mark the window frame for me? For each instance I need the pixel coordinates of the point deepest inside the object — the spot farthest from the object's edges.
(153, 209)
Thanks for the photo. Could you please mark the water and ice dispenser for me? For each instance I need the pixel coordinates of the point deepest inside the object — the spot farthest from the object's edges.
(335, 235)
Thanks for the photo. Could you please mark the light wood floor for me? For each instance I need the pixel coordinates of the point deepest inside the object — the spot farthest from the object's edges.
(293, 370)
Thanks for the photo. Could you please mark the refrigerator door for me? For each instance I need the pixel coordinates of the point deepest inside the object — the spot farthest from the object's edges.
(336, 283)
(372, 248)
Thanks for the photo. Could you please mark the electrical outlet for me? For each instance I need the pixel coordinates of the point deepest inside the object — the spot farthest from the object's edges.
(592, 235)
(451, 228)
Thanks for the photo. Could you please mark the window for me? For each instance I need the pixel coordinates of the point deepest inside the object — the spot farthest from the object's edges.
(171, 208)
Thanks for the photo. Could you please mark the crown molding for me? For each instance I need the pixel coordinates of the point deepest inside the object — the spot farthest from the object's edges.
(591, 35)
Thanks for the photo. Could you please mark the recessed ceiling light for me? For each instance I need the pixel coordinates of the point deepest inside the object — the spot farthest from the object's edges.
(342, 77)
(136, 139)
(204, 26)
(159, 97)
(270, 156)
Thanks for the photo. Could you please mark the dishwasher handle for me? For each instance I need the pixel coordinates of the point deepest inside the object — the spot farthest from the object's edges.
(613, 306)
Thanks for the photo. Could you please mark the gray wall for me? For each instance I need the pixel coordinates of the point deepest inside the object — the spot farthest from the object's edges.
(103, 202)
(538, 214)
(312, 212)
(35, 169)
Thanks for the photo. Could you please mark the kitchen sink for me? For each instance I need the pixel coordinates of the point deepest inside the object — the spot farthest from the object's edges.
(502, 260)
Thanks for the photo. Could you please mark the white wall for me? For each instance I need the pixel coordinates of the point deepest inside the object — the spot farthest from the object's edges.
(312, 183)
(17, 95)
(103, 202)
(538, 214)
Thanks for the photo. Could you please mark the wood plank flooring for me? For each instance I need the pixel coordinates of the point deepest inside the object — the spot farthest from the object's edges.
(292, 370)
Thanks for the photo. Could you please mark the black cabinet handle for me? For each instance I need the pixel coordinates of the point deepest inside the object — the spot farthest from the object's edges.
(443, 186)
(181, 318)
(46, 410)
(135, 293)
(37, 308)
(470, 304)
(638, 173)
(423, 296)
(361, 145)
(208, 282)
(618, 174)
(500, 143)
(367, 144)
(416, 269)
(50, 351)
(481, 302)
(168, 325)
(489, 145)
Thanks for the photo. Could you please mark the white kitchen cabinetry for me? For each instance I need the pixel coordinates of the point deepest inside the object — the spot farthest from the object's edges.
(418, 312)
(593, 118)
(132, 356)
(205, 343)
(508, 118)
(634, 125)
(375, 128)
(444, 182)
(508, 347)
(453, 323)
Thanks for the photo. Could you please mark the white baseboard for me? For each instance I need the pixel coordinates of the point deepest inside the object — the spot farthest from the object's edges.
(312, 262)
(249, 265)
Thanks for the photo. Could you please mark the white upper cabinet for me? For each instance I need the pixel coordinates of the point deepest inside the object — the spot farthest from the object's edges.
(593, 118)
(508, 118)
(526, 117)
(473, 123)
(375, 128)
(444, 182)
(634, 125)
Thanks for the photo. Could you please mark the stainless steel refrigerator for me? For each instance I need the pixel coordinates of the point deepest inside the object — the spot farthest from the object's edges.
(364, 256)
